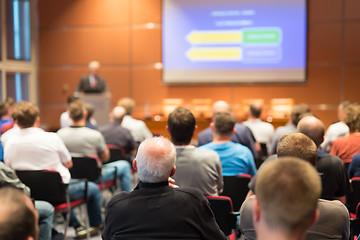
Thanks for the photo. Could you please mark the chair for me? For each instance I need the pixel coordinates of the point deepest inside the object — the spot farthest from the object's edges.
(117, 152)
(355, 223)
(353, 198)
(48, 186)
(88, 168)
(236, 187)
(223, 211)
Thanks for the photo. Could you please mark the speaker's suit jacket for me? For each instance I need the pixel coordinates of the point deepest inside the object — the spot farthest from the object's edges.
(85, 86)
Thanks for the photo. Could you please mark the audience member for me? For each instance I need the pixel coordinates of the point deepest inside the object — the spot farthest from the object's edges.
(297, 112)
(335, 182)
(346, 147)
(195, 167)
(262, 131)
(235, 158)
(337, 129)
(82, 141)
(65, 120)
(354, 167)
(45, 210)
(282, 211)
(242, 134)
(138, 128)
(5, 112)
(115, 134)
(90, 120)
(18, 217)
(300, 146)
(34, 149)
(154, 210)
(92, 83)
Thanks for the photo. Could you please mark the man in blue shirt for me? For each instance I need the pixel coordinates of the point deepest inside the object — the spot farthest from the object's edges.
(235, 158)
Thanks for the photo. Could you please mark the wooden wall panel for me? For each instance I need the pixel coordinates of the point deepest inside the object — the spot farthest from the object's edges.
(144, 11)
(352, 42)
(115, 32)
(324, 42)
(79, 46)
(324, 10)
(60, 13)
(352, 9)
(148, 51)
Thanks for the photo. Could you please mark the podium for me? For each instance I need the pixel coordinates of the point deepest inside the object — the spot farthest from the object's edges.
(101, 103)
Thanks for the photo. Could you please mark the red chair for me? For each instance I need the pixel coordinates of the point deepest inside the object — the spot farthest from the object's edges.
(224, 215)
(48, 186)
(236, 187)
(118, 152)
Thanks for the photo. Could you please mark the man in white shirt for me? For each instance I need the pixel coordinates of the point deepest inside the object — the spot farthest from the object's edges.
(262, 131)
(138, 128)
(34, 149)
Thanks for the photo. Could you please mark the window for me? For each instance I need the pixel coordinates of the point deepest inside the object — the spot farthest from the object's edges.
(18, 56)
(18, 30)
(17, 86)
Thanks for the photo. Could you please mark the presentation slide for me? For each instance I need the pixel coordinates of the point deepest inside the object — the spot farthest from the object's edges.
(234, 41)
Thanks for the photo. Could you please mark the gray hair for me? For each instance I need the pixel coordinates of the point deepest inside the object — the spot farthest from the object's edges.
(155, 159)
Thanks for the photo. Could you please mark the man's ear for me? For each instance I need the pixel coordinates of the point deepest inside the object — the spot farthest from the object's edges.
(167, 129)
(212, 126)
(316, 217)
(173, 171)
(256, 211)
(196, 128)
(134, 164)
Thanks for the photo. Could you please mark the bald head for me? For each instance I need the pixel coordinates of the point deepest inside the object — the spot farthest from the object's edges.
(220, 106)
(94, 67)
(155, 160)
(313, 128)
(118, 114)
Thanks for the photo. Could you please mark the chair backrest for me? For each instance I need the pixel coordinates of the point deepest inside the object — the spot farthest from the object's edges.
(353, 198)
(236, 187)
(85, 167)
(45, 185)
(222, 209)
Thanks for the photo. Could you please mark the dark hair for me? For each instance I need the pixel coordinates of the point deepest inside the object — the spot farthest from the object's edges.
(18, 221)
(181, 123)
(224, 123)
(255, 110)
(297, 145)
(72, 98)
(25, 114)
(298, 112)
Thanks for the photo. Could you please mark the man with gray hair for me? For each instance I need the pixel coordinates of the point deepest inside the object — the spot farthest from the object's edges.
(92, 83)
(154, 210)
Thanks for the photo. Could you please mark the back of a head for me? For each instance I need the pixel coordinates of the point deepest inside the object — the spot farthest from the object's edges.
(90, 110)
(312, 127)
(297, 113)
(76, 110)
(155, 160)
(3, 109)
(220, 106)
(128, 104)
(181, 123)
(72, 98)
(17, 220)
(288, 190)
(224, 123)
(297, 145)
(352, 117)
(118, 114)
(255, 110)
(25, 113)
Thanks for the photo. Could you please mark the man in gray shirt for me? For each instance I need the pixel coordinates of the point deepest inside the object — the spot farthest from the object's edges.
(196, 168)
